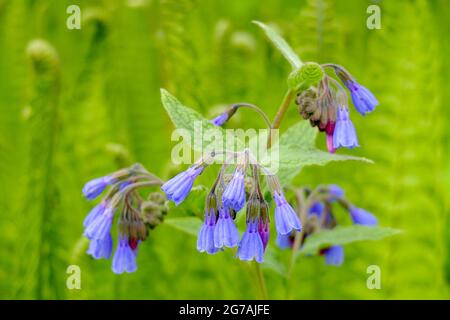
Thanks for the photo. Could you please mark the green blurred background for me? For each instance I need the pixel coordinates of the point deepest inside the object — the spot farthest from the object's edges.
(98, 109)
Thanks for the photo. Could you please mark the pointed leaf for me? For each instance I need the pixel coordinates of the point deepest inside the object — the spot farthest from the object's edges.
(203, 136)
(281, 45)
(344, 235)
(297, 149)
(189, 225)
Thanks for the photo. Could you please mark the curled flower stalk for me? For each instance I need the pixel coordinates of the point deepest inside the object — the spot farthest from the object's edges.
(325, 105)
(136, 215)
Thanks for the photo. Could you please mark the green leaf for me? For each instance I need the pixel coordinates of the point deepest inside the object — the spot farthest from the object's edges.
(203, 136)
(281, 45)
(189, 225)
(296, 149)
(344, 235)
(192, 206)
(272, 262)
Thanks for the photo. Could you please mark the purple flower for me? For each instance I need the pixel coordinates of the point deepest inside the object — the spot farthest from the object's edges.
(330, 146)
(362, 98)
(94, 213)
(124, 259)
(316, 209)
(344, 133)
(264, 232)
(286, 219)
(101, 248)
(220, 119)
(205, 240)
(336, 191)
(251, 246)
(225, 232)
(178, 188)
(329, 129)
(334, 255)
(363, 217)
(100, 227)
(234, 194)
(124, 184)
(284, 241)
(94, 188)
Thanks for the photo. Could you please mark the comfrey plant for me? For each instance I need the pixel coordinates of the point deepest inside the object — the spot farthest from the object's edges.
(315, 207)
(135, 215)
(325, 105)
(245, 182)
(227, 198)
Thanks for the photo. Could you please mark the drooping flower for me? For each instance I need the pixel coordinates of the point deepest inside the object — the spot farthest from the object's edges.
(225, 232)
(94, 213)
(363, 100)
(101, 248)
(124, 259)
(94, 188)
(100, 227)
(251, 245)
(178, 188)
(362, 217)
(344, 133)
(336, 191)
(264, 233)
(330, 146)
(329, 130)
(220, 119)
(316, 209)
(234, 194)
(205, 240)
(284, 241)
(286, 219)
(334, 255)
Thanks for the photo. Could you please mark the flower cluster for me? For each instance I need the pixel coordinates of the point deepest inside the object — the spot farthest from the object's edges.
(136, 215)
(326, 106)
(227, 197)
(317, 207)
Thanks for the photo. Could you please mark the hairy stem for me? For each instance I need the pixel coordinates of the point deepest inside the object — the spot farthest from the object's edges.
(261, 282)
(280, 114)
(302, 204)
(254, 108)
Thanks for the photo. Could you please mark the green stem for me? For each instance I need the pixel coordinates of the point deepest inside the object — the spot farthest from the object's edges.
(260, 279)
(280, 114)
(282, 109)
(295, 248)
(302, 204)
(254, 108)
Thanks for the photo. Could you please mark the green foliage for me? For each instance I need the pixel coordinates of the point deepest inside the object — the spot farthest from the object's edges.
(189, 225)
(281, 45)
(107, 114)
(195, 124)
(296, 146)
(297, 150)
(344, 235)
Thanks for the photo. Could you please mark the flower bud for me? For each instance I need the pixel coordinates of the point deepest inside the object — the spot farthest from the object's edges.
(309, 74)
(153, 213)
